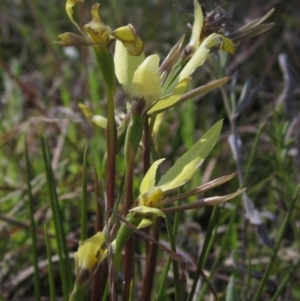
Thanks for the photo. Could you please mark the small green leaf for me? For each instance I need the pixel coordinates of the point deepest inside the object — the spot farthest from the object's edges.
(186, 166)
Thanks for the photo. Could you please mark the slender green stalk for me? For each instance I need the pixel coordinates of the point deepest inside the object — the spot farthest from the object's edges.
(131, 291)
(106, 66)
(205, 249)
(50, 266)
(111, 150)
(147, 144)
(77, 294)
(37, 286)
(251, 158)
(133, 139)
(83, 234)
(215, 216)
(277, 246)
(122, 238)
(124, 233)
(179, 285)
(161, 293)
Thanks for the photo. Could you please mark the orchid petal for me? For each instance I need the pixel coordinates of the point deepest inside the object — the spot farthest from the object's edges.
(197, 26)
(97, 30)
(147, 210)
(88, 254)
(69, 9)
(132, 42)
(146, 222)
(148, 183)
(225, 43)
(146, 80)
(196, 60)
(72, 39)
(126, 65)
(201, 54)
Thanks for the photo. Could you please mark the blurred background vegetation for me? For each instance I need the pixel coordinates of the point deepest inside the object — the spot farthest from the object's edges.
(41, 85)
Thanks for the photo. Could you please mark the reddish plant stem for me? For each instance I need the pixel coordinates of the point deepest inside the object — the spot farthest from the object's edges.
(150, 266)
(150, 248)
(129, 246)
(99, 282)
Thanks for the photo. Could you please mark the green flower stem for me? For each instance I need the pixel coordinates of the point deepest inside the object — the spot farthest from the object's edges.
(111, 152)
(133, 139)
(123, 235)
(106, 65)
(76, 294)
(147, 145)
(179, 284)
(83, 210)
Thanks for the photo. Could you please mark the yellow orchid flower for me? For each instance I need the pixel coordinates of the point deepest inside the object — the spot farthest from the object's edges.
(90, 253)
(96, 33)
(151, 194)
(142, 78)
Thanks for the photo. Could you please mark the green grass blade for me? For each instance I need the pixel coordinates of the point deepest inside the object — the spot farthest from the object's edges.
(179, 285)
(161, 293)
(37, 286)
(172, 238)
(205, 249)
(64, 262)
(50, 266)
(224, 245)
